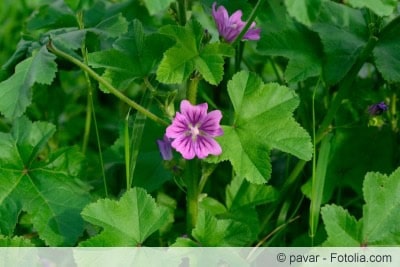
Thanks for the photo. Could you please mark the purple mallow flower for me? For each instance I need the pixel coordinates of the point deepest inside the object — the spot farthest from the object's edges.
(377, 109)
(193, 131)
(165, 148)
(230, 27)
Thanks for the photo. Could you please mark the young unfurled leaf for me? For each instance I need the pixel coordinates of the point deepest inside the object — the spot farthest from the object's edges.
(188, 55)
(44, 188)
(15, 92)
(126, 222)
(263, 121)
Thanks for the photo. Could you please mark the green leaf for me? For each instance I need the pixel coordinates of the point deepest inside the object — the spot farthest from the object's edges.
(213, 232)
(379, 7)
(185, 242)
(318, 183)
(126, 222)
(263, 121)
(344, 34)
(387, 54)
(305, 11)
(351, 158)
(302, 49)
(380, 213)
(15, 241)
(44, 188)
(291, 40)
(342, 228)
(133, 56)
(188, 54)
(241, 193)
(156, 6)
(54, 15)
(15, 92)
(111, 27)
(212, 205)
(68, 38)
(9, 215)
(378, 226)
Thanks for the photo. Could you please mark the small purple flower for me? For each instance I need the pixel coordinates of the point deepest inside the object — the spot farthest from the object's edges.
(230, 27)
(377, 109)
(165, 148)
(193, 131)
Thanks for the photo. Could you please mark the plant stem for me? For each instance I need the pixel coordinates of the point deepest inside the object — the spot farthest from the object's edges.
(249, 22)
(90, 111)
(238, 56)
(127, 150)
(106, 84)
(88, 120)
(181, 8)
(192, 174)
(191, 93)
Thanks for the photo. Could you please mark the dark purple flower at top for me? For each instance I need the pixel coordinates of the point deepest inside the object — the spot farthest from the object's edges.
(165, 148)
(230, 27)
(377, 109)
(193, 131)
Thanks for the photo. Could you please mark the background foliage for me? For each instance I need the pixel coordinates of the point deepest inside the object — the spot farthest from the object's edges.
(87, 87)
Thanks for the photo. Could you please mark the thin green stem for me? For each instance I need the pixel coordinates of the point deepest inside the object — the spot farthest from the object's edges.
(137, 135)
(276, 230)
(181, 8)
(314, 159)
(191, 93)
(238, 56)
(276, 71)
(192, 174)
(88, 119)
(90, 112)
(249, 22)
(393, 112)
(127, 149)
(206, 172)
(107, 85)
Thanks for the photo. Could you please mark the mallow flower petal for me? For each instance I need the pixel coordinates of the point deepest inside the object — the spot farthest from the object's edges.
(178, 127)
(230, 27)
(193, 113)
(205, 146)
(185, 146)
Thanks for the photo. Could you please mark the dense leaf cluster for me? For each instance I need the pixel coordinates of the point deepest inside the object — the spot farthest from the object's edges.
(81, 167)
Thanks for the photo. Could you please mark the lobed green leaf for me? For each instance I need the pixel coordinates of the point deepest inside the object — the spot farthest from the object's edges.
(45, 189)
(15, 92)
(189, 54)
(263, 121)
(126, 222)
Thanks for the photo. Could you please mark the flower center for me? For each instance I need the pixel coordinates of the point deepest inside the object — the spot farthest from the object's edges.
(194, 131)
